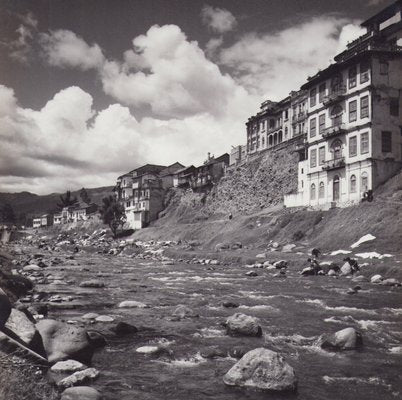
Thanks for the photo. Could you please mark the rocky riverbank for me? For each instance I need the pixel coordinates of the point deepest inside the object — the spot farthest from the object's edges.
(173, 304)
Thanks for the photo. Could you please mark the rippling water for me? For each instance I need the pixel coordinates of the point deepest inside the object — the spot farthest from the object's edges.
(294, 311)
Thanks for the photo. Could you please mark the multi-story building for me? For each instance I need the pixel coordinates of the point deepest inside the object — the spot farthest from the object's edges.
(238, 155)
(42, 221)
(354, 118)
(208, 174)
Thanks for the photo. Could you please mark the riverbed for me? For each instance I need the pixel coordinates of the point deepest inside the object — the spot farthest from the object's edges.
(293, 310)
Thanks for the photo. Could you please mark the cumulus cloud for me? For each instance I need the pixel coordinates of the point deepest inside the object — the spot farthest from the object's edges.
(274, 64)
(217, 19)
(172, 75)
(63, 48)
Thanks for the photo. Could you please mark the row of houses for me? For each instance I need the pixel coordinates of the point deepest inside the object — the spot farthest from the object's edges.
(74, 213)
(142, 190)
(345, 121)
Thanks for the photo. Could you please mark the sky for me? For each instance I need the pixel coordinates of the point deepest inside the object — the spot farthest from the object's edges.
(90, 89)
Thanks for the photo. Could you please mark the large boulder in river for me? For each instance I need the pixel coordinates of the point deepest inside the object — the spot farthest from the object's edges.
(262, 369)
(345, 339)
(243, 325)
(182, 311)
(5, 308)
(81, 393)
(346, 269)
(62, 341)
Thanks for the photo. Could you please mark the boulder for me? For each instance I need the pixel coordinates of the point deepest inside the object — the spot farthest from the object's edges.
(63, 341)
(376, 278)
(359, 278)
(20, 324)
(90, 316)
(331, 272)
(212, 352)
(104, 318)
(391, 282)
(238, 352)
(230, 304)
(78, 378)
(345, 339)
(243, 325)
(68, 366)
(261, 255)
(281, 264)
(5, 308)
(182, 311)
(31, 268)
(132, 304)
(346, 269)
(262, 369)
(251, 273)
(288, 248)
(122, 328)
(92, 283)
(222, 246)
(81, 393)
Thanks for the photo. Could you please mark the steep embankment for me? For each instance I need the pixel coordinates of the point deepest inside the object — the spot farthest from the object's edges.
(204, 218)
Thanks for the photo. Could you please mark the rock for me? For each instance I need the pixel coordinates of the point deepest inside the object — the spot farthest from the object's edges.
(230, 304)
(281, 264)
(68, 366)
(97, 339)
(148, 349)
(351, 291)
(20, 324)
(78, 378)
(62, 341)
(346, 269)
(346, 339)
(238, 352)
(81, 393)
(262, 369)
(261, 255)
(288, 248)
(359, 278)
(236, 245)
(222, 246)
(104, 318)
(168, 262)
(391, 282)
(243, 325)
(275, 245)
(93, 283)
(132, 304)
(251, 273)
(122, 328)
(376, 278)
(31, 268)
(90, 316)
(212, 352)
(5, 308)
(307, 271)
(182, 311)
(331, 272)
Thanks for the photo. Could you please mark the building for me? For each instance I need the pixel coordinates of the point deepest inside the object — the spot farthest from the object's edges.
(183, 177)
(37, 222)
(208, 174)
(74, 213)
(238, 155)
(354, 118)
(57, 219)
(168, 174)
(42, 221)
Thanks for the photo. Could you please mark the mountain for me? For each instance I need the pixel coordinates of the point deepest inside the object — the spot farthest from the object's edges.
(32, 204)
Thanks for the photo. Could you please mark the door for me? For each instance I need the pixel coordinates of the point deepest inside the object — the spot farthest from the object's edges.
(335, 188)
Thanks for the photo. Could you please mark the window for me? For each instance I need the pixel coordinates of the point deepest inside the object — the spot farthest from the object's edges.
(313, 97)
(321, 92)
(364, 107)
(352, 77)
(312, 192)
(336, 148)
(383, 68)
(353, 184)
(386, 141)
(364, 143)
(286, 132)
(313, 158)
(364, 72)
(128, 204)
(313, 127)
(352, 110)
(352, 146)
(263, 141)
(364, 178)
(394, 106)
(286, 114)
(321, 155)
(336, 115)
(321, 123)
(321, 190)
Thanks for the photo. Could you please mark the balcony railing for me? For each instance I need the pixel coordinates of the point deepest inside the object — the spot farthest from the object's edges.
(334, 131)
(334, 164)
(301, 116)
(335, 95)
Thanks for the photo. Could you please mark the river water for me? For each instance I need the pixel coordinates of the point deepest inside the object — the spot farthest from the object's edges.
(294, 311)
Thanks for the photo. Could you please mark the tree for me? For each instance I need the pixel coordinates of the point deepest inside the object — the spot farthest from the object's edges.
(113, 214)
(7, 213)
(85, 196)
(67, 200)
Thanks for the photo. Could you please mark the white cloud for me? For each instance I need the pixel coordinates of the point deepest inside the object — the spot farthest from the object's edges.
(274, 64)
(213, 45)
(63, 48)
(217, 19)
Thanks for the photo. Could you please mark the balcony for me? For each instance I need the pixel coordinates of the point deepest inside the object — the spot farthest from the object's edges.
(334, 164)
(333, 131)
(301, 116)
(335, 96)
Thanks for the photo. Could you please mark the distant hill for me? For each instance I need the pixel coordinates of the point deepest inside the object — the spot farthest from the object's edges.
(32, 204)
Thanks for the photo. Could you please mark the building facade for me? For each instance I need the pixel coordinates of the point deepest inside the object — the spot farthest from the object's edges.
(354, 118)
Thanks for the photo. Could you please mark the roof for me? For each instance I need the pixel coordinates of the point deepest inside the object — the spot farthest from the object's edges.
(171, 169)
(179, 171)
(383, 15)
(224, 157)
